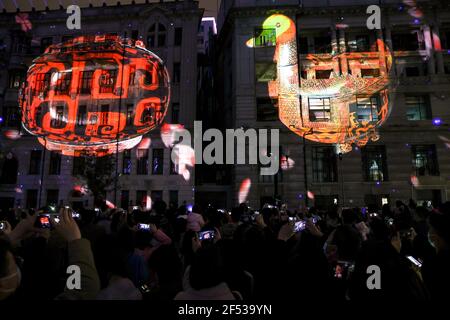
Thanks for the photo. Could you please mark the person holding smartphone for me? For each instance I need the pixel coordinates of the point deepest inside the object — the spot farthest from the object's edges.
(435, 270)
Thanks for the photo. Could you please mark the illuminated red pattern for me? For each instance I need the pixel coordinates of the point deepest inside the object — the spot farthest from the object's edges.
(85, 95)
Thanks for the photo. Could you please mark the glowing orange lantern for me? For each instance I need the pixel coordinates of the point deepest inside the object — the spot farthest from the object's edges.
(94, 94)
(336, 98)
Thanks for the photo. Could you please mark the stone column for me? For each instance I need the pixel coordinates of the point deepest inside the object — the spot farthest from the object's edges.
(335, 49)
(429, 49)
(438, 49)
(382, 53)
(389, 46)
(342, 50)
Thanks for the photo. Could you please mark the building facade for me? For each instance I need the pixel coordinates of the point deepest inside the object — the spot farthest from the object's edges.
(33, 176)
(411, 157)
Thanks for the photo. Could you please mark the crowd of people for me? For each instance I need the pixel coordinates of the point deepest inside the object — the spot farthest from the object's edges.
(214, 254)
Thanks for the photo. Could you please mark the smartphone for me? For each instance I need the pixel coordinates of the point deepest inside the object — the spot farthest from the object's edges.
(2, 225)
(44, 221)
(144, 226)
(206, 235)
(75, 215)
(97, 209)
(416, 262)
(135, 208)
(299, 226)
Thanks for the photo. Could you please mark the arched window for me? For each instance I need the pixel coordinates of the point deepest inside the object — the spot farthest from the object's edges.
(156, 36)
(9, 170)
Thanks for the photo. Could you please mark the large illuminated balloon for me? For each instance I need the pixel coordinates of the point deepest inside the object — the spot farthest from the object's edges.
(342, 127)
(94, 94)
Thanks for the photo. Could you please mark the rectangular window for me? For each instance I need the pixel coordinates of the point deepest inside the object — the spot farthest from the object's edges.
(85, 84)
(376, 201)
(412, 71)
(266, 109)
(32, 195)
(424, 160)
(265, 37)
(55, 163)
(126, 162)
(42, 86)
(142, 161)
(52, 196)
(158, 161)
(105, 114)
(176, 72)
(367, 108)
(78, 165)
(125, 199)
(156, 195)
(265, 71)
(325, 202)
(319, 109)
(323, 74)
(141, 198)
(324, 164)
(21, 43)
(173, 198)
(130, 110)
(16, 78)
(108, 81)
(178, 36)
(322, 44)
(58, 119)
(374, 163)
(175, 112)
(174, 168)
(63, 83)
(135, 34)
(303, 45)
(82, 115)
(35, 162)
(370, 73)
(45, 42)
(11, 116)
(360, 44)
(407, 41)
(417, 107)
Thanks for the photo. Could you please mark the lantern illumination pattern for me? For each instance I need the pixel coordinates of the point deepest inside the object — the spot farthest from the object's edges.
(94, 95)
(337, 98)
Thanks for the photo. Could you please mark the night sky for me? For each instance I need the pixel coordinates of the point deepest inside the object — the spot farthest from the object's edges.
(210, 6)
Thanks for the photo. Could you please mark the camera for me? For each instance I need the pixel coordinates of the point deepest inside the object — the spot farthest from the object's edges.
(143, 226)
(206, 235)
